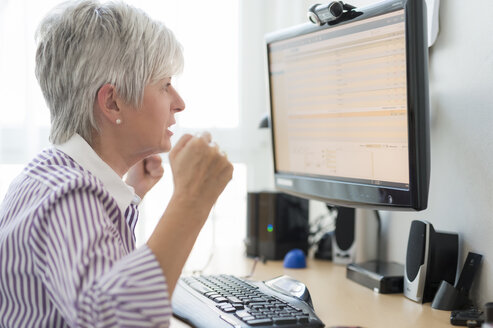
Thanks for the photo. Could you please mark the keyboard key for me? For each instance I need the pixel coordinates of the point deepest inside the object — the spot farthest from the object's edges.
(259, 322)
(238, 306)
(252, 302)
(242, 314)
(226, 308)
(200, 288)
(234, 299)
(284, 320)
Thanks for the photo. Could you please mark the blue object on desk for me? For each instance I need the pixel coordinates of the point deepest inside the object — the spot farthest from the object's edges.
(295, 259)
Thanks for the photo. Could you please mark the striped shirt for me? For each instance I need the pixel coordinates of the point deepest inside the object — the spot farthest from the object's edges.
(67, 248)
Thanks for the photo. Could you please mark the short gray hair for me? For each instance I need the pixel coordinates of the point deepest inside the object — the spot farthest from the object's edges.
(83, 45)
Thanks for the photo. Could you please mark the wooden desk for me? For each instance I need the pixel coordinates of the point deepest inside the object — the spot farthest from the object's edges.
(337, 300)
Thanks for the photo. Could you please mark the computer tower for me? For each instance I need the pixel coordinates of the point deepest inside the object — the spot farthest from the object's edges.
(276, 223)
(431, 257)
(251, 240)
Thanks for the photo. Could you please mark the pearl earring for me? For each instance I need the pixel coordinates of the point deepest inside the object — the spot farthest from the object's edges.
(118, 121)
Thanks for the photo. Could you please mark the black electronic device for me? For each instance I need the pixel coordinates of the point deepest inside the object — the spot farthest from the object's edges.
(349, 108)
(431, 257)
(381, 277)
(276, 224)
(224, 301)
(468, 318)
(469, 270)
(251, 240)
(456, 297)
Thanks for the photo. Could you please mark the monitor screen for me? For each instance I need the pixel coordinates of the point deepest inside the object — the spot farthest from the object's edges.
(349, 108)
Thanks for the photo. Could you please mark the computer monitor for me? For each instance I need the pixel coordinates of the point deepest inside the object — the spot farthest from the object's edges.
(349, 108)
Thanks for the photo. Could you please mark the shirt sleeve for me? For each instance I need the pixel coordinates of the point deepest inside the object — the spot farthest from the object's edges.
(88, 273)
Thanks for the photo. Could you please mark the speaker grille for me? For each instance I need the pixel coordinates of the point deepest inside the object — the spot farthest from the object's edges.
(415, 249)
(344, 232)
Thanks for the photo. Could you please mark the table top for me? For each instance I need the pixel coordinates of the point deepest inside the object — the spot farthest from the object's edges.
(338, 301)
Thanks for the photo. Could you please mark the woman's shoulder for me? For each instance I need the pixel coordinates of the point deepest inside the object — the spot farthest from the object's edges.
(57, 170)
(49, 180)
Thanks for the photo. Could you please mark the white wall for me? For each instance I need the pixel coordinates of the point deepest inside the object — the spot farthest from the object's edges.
(461, 89)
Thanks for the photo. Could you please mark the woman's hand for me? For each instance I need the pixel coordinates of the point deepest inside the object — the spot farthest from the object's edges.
(200, 170)
(200, 173)
(145, 174)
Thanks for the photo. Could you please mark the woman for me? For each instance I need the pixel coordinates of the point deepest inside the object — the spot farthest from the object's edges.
(67, 248)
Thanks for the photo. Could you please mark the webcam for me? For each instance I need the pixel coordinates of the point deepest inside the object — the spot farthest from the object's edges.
(321, 14)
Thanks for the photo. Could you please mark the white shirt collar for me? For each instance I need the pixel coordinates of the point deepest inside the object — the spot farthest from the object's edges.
(81, 152)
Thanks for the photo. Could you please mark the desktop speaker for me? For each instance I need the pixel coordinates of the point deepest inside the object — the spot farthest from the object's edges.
(343, 245)
(431, 257)
(355, 236)
(276, 223)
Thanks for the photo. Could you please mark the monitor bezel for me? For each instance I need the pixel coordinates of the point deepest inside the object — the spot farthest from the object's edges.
(354, 194)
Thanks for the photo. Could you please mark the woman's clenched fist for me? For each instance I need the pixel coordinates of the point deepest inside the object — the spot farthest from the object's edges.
(200, 169)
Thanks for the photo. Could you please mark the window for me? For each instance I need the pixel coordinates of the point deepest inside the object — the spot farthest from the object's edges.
(208, 32)
(209, 87)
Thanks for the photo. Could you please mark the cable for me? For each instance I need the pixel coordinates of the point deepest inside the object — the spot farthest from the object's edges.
(255, 261)
(321, 225)
(319, 228)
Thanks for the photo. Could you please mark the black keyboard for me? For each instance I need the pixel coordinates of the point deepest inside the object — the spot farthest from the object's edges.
(228, 301)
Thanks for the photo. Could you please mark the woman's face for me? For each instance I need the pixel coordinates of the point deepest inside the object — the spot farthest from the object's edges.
(149, 125)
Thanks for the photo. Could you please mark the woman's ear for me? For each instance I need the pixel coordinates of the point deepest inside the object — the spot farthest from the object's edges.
(107, 103)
